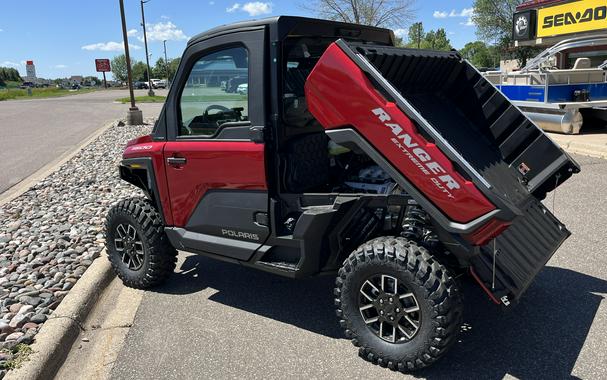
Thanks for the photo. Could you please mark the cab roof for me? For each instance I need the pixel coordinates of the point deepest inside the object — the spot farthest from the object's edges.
(283, 26)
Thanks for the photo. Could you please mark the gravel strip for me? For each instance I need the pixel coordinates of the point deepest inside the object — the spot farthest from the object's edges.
(52, 233)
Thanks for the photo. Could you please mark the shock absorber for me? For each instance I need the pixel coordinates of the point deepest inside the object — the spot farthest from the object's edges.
(414, 223)
(417, 227)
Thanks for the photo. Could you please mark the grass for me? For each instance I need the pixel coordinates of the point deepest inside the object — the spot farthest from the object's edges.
(213, 98)
(21, 353)
(37, 93)
(144, 99)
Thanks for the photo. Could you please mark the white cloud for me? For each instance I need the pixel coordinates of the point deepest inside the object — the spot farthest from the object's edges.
(132, 32)
(60, 66)
(109, 46)
(165, 17)
(211, 3)
(253, 8)
(466, 12)
(10, 64)
(164, 31)
(400, 33)
(257, 8)
(233, 8)
(468, 22)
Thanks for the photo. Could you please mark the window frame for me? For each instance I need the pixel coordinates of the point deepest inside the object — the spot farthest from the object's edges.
(220, 128)
(255, 41)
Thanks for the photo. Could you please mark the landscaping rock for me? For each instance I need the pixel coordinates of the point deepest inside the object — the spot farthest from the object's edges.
(14, 336)
(52, 233)
(19, 320)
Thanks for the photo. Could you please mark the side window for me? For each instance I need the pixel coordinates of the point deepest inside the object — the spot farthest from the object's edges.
(216, 92)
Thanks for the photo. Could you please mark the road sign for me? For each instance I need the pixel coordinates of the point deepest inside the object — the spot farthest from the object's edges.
(102, 65)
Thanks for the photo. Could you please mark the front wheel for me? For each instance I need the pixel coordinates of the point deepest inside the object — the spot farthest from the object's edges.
(398, 304)
(137, 245)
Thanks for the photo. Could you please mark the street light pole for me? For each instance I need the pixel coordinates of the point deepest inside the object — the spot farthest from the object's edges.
(145, 42)
(134, 116)
(166, 62)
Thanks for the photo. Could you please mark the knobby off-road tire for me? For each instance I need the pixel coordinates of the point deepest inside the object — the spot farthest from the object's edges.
(436, 296)
(137, 246)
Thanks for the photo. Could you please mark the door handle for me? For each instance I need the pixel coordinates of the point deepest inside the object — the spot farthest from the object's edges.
(176, 161)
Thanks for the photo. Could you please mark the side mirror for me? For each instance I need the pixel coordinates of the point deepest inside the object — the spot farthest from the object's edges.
(256, 134)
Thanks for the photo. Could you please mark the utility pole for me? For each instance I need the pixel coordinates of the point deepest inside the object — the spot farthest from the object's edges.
(134, 116)
(166, 62)
(145, 42)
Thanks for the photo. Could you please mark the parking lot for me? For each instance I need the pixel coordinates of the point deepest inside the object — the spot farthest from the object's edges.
(217, 320)
(39, 131)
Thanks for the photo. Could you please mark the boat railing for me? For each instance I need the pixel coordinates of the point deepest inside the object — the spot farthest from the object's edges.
(571, 43)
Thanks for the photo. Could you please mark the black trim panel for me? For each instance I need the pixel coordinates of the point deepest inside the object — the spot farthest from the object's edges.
(151, 186)
(231, 214)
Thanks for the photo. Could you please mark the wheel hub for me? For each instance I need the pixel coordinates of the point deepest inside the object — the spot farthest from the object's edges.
(129, 245)
(389, 309)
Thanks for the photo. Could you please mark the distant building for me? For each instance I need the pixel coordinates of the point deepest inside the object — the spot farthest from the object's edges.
(76, 79)
(30, 70)
(543, 23)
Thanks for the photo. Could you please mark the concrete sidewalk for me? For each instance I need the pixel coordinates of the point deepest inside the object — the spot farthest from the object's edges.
(592, 144)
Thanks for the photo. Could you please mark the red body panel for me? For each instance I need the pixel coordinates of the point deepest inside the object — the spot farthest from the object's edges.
(211, 165)
(144, 146)
(340, 95)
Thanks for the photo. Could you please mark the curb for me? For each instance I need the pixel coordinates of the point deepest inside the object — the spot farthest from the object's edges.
(58, 334)
(569, 144)
(26, 183)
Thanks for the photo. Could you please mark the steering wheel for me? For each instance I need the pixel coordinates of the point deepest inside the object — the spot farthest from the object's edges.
(215, 107)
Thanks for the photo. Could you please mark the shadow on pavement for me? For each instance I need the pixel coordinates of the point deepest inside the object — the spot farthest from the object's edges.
(541, 337)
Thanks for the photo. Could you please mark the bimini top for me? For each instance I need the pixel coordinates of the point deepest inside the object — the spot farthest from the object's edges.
(282, 26)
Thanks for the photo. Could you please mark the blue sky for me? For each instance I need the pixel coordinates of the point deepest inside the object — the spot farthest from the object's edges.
(63, 37)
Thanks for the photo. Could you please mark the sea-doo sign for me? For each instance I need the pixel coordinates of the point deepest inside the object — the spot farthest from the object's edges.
(523, 25)
(574, 17)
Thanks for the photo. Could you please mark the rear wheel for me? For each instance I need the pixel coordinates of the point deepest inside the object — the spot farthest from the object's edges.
(137, 246)
(398, 304)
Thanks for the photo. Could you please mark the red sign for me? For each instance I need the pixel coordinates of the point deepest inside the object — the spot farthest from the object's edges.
(102, 65)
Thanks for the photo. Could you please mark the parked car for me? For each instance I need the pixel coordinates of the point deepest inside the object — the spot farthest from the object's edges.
(243, 89)
(140, 85)
(159, 83)
(235, 82)
(25, 85)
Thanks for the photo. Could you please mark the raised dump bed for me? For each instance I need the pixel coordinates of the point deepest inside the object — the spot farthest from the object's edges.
(469, 157)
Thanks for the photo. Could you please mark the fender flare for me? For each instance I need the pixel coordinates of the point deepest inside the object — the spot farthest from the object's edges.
(140, 173)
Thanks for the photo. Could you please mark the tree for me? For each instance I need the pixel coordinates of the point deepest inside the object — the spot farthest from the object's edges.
(436, 40)
(433, 40)
(493, 19)
(139, 71)
(119, 68)
(9, 74)
(383, 13)
(416, 35)
(480, 54)
(173, 66)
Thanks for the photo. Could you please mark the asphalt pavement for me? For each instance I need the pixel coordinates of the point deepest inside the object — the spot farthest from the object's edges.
(217, 320)
(37, 132)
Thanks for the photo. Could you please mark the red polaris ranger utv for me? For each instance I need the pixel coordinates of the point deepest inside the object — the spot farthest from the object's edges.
(304, 147)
